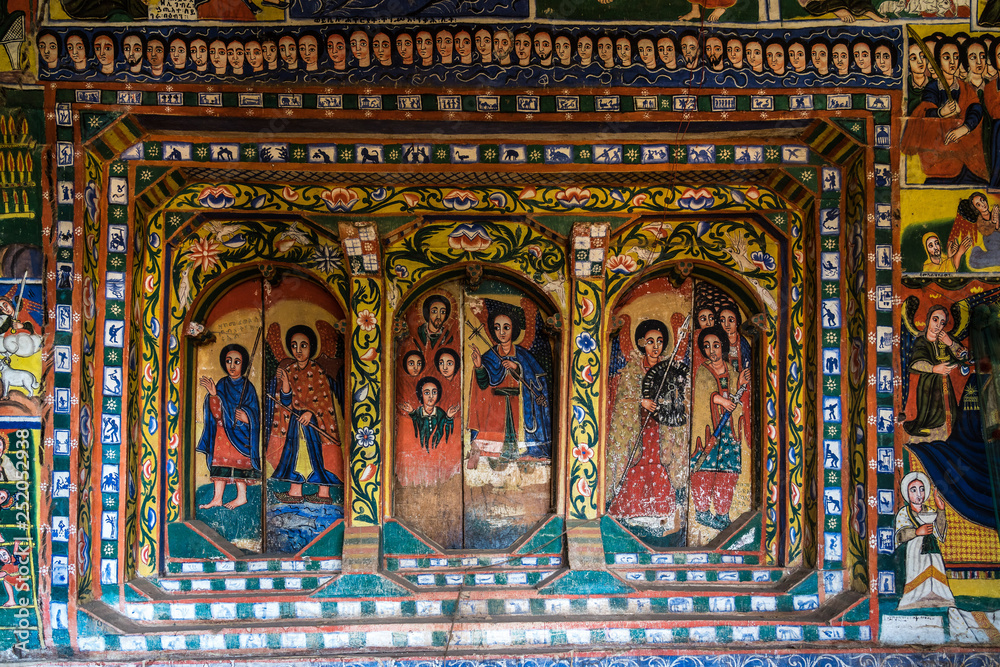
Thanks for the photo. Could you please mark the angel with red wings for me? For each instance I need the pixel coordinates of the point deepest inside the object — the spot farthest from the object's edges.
(303, 411)
(509, 415)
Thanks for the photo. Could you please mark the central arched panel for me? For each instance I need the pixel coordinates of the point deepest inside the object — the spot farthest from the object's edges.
(474, 414)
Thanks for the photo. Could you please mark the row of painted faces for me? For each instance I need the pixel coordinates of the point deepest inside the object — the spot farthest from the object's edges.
(155, 55)
(972, 58)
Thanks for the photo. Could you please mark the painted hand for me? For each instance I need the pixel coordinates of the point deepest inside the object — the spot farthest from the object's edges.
(948, 110)
(956, 134)
(282, 377)
(207, 384)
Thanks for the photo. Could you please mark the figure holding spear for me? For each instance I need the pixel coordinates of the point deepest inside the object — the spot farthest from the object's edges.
(716, 430)
(941, 128)
(643, 492)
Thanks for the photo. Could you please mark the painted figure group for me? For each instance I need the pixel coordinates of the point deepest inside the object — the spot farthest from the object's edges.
(307, 53)
(508, 410)
(301, 417)
(952, 127)
(429, 391)
(655, 397)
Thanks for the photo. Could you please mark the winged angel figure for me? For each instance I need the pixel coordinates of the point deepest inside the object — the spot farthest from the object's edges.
(306, 386)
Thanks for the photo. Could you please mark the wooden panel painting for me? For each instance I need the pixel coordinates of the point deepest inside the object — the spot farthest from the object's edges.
(270, 392)
(228, 473)
(304, 367)
(944, 524)
(474, 393)
(949, 231)
(680, 407)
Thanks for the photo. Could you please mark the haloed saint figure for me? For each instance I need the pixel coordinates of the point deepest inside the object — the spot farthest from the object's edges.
(305, 417)
(513, 392)
(270, 480)
(231, 438)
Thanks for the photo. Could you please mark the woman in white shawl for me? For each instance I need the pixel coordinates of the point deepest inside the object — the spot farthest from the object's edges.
(919, 528)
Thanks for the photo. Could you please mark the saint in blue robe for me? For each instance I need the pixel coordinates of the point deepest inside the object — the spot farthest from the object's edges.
(245, 437)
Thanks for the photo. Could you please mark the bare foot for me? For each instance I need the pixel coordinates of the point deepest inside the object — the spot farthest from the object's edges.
(9, 603)
(876, 17)
(844, 15)
(295, 490)
(693, 14)
(215, 502)
(324, 492)
(717, 14)
(233, 504)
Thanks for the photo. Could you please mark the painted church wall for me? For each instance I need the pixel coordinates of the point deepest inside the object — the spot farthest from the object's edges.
(678, 317)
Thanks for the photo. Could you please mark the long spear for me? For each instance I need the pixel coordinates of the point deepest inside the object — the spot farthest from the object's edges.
(723, 420)
(277, 401)
(243, 391)
(636, 445)
(930, 61)
(20, 296)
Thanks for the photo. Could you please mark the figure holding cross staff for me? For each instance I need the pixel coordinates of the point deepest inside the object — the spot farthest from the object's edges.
(510, 416)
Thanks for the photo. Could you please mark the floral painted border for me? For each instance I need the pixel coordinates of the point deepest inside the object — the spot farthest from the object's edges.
(443, 243)
(587, 380)
(88, 439)
(149, 511)
(367, 453)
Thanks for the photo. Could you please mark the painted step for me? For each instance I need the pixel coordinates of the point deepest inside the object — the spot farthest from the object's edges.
(461, 642)
(103, 629)
(664, 606)
(252, 566)
(443, 564)
(506, 579)
(232, 585)
(719, 574)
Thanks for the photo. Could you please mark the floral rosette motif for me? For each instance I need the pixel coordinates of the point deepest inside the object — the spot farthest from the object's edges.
(696, 200)
(573, 197)
(339, 200)
(469, 237)
(460, 200)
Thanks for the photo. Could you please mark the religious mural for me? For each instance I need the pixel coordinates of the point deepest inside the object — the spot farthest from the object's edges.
(680, 447)
(487, 55)
(272, 417)
(675, 314)
(945, 518)
(481, 476)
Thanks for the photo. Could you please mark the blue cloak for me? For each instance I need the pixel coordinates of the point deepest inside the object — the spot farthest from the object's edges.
(245, 437)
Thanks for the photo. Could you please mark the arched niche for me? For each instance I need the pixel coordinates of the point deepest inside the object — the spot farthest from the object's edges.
(475, 409)
(269, 480)
(683, 413)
